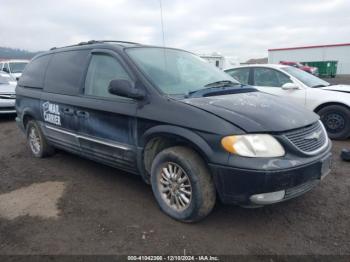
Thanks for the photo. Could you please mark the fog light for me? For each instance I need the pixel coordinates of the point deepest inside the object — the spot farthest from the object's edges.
(268, 198)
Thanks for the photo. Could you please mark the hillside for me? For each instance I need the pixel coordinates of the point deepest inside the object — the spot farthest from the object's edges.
(8, 53)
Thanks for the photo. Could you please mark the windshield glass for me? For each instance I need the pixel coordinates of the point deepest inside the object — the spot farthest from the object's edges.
(308, 79)
(176, 72)
(17, 67)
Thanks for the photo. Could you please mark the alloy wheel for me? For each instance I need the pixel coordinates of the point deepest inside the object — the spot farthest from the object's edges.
(175, 186)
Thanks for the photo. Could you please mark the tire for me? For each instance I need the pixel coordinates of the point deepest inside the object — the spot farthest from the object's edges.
(336, 119)
(187, 164)
(37, 142)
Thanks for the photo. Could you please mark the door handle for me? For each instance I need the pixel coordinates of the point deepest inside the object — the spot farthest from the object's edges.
(82, 114)
(68, 111)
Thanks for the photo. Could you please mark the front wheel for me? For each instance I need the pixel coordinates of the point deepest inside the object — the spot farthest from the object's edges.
(182, 184)
(336, 119)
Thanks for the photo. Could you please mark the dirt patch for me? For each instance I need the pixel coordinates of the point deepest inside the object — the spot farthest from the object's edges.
(36, 200)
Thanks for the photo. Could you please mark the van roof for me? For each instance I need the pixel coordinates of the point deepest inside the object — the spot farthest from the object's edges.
(117, 42)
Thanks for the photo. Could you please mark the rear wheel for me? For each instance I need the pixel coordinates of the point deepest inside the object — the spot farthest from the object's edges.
(336, 119)
(182, 184)
(36, 141)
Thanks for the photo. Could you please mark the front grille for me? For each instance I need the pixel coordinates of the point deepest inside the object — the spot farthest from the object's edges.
(310, 139)
(7, 96)
(299, 190)
(7, 109)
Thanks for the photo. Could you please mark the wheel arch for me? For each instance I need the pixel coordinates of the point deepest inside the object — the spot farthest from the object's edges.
(159, 138)
(26, 116)
(321, 106)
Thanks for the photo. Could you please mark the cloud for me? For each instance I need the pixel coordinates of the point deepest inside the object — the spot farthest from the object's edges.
(244, 29)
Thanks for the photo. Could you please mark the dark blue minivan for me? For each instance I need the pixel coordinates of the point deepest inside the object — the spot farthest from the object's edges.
(187, 128)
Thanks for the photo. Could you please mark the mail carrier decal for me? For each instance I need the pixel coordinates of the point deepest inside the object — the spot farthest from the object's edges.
(51, 113)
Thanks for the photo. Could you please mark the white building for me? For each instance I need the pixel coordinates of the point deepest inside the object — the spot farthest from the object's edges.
(336, 52)
(220, 61)
(215, 59)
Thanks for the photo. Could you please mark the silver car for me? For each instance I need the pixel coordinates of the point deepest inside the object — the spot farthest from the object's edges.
(13, 67)
(7, 94)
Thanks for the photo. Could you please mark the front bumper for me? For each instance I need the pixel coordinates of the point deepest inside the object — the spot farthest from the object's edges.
(240, 186)
(7, 106)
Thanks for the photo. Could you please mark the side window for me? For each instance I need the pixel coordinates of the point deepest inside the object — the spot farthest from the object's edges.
(283, 78)
(6, 68)
(34, 72)
(241, 75)
(102, 70)
(65, 72)
(269, 77)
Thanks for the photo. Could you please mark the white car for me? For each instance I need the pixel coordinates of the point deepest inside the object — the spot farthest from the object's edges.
(7, 94)
(13, 67)
(331, 102)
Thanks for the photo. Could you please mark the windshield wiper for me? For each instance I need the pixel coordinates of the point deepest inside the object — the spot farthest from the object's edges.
(315, 86)
(220, 89)
(222, 83)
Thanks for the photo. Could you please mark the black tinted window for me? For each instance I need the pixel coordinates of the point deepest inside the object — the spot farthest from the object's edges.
(34, 73)
(103, 69)
(241, 75)
(65, 72)
(269, 77)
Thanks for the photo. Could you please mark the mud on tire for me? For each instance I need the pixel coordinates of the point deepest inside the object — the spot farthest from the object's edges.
(37, 142)
(187, 163)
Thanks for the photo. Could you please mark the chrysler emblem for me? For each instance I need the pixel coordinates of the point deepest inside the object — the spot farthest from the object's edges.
(315, 135)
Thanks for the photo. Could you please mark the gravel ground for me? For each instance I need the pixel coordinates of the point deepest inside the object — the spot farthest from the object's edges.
(69, 205)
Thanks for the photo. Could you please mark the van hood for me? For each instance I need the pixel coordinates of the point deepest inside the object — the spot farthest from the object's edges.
(255, 111)
(339, 88)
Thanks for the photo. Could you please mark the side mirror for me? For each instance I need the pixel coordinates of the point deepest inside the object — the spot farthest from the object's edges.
(125, 88)
(290, 86)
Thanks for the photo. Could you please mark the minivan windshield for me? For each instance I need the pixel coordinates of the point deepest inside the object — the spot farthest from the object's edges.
(177, 72)
(308, 79)
(17, 67)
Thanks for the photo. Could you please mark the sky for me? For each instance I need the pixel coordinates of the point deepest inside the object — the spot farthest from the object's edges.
(242, 29)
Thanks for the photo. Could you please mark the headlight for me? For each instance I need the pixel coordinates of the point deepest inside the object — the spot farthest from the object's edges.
(253, 145)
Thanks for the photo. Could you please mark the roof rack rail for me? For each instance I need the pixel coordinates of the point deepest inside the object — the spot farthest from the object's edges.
(90, 42)
(117, 41)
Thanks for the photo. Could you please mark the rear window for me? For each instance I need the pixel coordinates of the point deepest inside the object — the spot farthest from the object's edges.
(34, 73)
(65, 72)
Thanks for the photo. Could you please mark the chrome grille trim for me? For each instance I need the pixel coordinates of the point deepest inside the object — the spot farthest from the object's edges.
(308, 146)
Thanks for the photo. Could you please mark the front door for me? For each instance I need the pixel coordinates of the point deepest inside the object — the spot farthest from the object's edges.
(270, 81)
(107, 122)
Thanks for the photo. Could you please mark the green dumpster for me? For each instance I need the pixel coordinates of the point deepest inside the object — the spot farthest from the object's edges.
(325, 68)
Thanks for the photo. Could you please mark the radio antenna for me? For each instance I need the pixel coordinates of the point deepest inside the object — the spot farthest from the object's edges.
(162, 23)
(161, 20)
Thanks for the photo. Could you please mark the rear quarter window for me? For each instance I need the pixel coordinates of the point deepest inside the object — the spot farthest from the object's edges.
(34, 73)
(65, 72)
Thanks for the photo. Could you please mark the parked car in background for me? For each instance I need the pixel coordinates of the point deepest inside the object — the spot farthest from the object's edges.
(7, 94)
(13, 67)
(188, 128)
(309, 69)
(331, 102)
